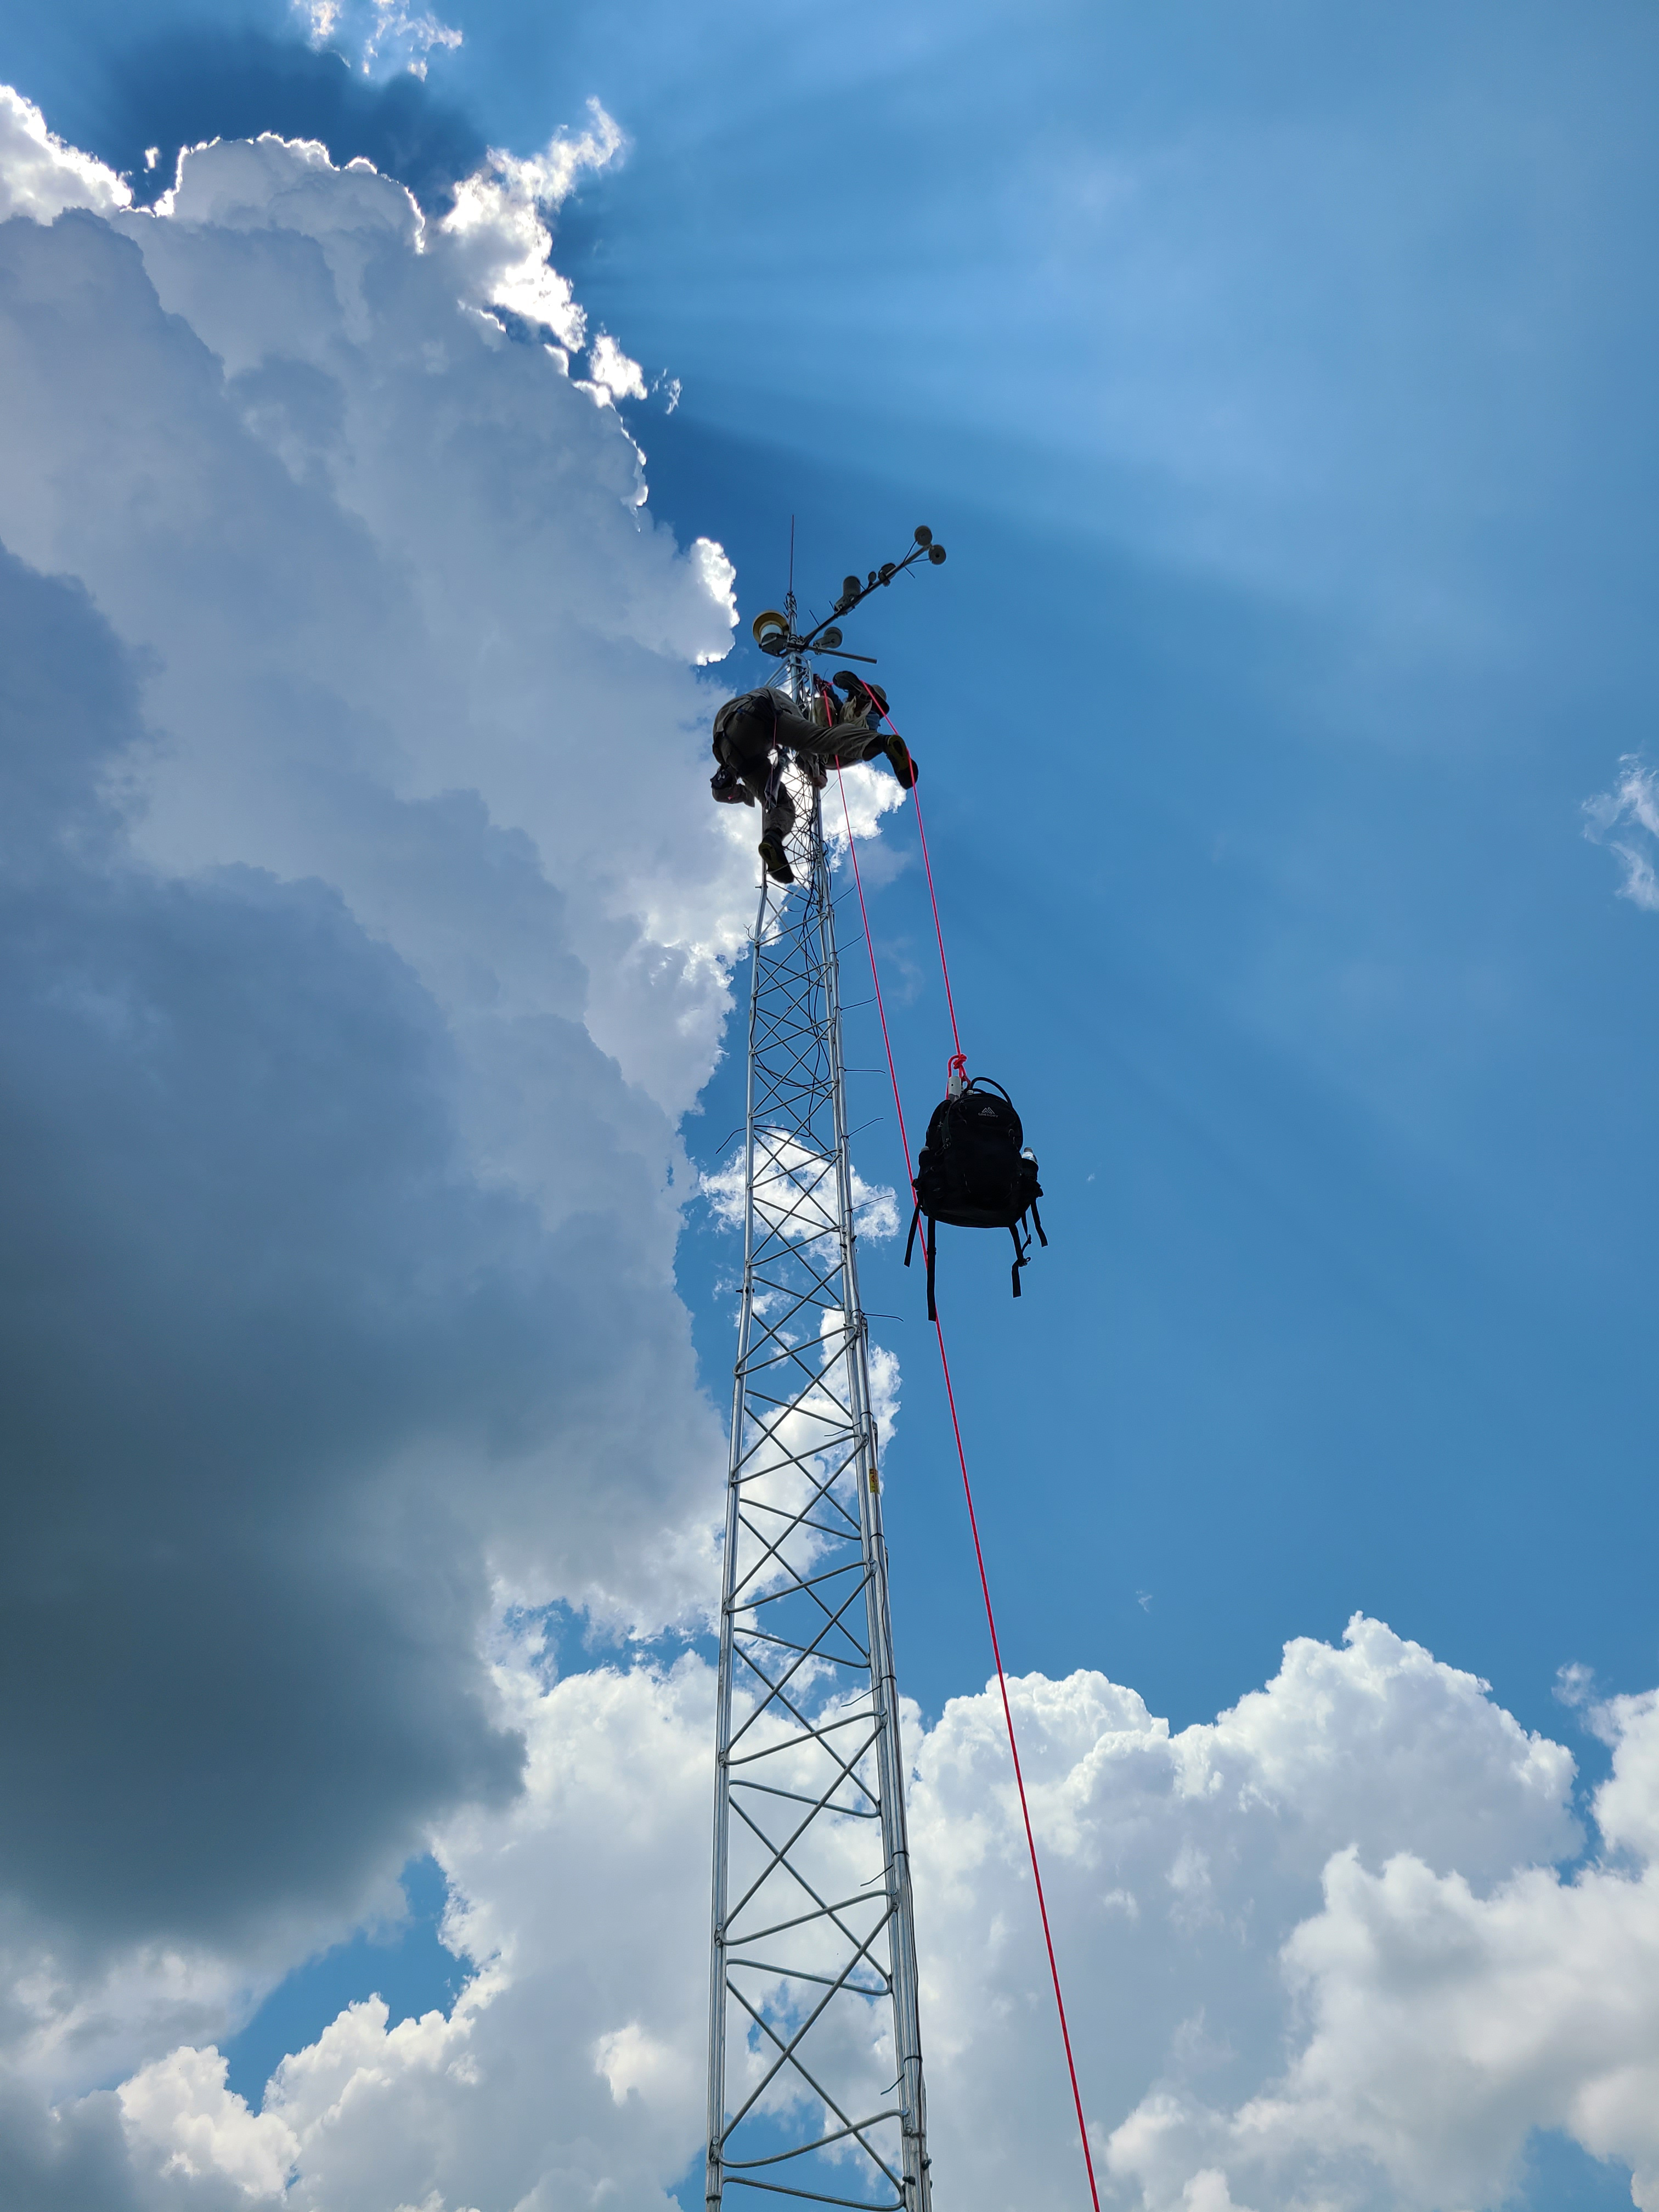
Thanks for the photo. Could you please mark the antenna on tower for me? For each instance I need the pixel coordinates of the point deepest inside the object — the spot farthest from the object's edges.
(815, 2081)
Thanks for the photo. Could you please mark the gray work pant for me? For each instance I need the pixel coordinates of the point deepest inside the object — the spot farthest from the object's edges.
(744, 743)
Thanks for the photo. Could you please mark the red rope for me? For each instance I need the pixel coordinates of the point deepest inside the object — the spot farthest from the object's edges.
(880, 1008)
(1019, 1778)
(973, 1518)
(945, 969)
(915, 797)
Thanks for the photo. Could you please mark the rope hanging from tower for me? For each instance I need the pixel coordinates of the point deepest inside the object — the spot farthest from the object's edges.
(959, 1065)
(975, 1170)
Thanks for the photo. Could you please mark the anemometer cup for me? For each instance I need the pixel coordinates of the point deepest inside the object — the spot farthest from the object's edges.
(935, 553)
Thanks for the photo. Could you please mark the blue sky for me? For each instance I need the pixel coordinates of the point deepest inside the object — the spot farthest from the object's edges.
(1277, 383)
(1280, 384)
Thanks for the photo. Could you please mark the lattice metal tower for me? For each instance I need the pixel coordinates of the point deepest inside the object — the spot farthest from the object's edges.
(815, 2088)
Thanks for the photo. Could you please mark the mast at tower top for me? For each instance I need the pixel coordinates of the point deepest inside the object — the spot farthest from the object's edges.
(775, 631)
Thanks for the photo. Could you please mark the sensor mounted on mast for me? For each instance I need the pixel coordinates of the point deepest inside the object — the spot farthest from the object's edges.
(774, 631)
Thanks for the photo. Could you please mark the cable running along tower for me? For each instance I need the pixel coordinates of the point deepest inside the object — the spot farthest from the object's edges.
(815, 2084)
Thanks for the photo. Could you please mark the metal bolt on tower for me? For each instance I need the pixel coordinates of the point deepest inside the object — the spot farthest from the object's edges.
(815, 2088)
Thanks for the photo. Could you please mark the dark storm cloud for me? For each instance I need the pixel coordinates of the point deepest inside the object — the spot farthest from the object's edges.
(53, 2162)
(247, 1280)
(338, 1332)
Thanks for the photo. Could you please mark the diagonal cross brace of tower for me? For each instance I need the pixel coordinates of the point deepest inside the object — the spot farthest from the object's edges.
(815, 2085)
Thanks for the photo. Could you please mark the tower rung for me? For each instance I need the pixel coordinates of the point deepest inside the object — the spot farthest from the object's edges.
(818, 2196)
(839, 2136)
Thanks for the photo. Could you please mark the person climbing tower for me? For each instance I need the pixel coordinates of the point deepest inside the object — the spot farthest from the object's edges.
(755, 731)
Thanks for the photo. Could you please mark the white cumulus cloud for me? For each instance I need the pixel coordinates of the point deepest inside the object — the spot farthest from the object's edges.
(181, 2106)
(795, 1192)
(383, 36)
(1626, 818)
(40, 175)
(613, 370)
(1319, 1951)
(497, 230)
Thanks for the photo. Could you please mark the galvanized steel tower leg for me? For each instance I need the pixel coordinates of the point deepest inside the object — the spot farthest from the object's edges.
(815, 2081)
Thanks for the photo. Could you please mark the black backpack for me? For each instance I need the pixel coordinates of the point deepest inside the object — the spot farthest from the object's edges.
(974, 1174)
